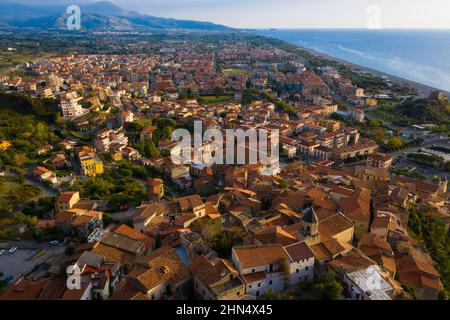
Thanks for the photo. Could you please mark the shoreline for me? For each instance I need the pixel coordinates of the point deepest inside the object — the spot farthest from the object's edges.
(423, 90)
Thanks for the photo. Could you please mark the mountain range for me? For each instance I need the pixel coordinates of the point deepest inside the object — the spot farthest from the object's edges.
(98, 16)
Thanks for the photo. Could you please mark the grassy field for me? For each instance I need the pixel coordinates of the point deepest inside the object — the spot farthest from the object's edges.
(10, 59)
(216, 99)
(6, 185)
(235, 71)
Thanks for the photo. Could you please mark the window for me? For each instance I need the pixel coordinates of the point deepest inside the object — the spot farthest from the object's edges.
(253, 270)
(270, 282)
(296, 271)
(259, 285)
(306, 268)
(231, 277)
(238, 293)
(257, 293)
(249, 286)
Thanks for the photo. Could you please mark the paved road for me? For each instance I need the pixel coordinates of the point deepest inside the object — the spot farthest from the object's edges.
(23, 261)
(26, 244)
(47, 191)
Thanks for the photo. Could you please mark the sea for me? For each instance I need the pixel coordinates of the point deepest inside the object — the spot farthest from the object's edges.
(422, 55)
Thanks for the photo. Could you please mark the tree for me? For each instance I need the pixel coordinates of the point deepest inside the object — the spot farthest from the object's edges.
(378, 134)
(271, 295)
(436, 180)
(150, 150)
(394, 143)
(20, 159)
(222, 244)
(326, 287)
(286, 272)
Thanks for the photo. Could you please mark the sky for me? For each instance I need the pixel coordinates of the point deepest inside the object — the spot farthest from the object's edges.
(295, 13)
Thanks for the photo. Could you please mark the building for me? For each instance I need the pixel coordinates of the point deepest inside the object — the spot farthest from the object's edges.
(379, 160)
(368, 284)
(155, 189)
(90, 163)
(44, 175)
(108, 139)
(4, 145)
(216, 279)
(159, 275)
(147, 133)
(372, 173)
(79, 222)
(364, 148)
(66, 201)
(70, 106)
(59, 160)
(104, 275)
(301, 262)
(420, 274)
(121, 247)
(273, 266)
(35, 289)
(357, 115)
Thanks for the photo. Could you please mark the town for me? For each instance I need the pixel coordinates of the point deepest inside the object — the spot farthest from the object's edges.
(358, 207)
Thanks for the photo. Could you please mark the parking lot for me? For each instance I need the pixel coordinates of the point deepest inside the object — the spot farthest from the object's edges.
(20, 262)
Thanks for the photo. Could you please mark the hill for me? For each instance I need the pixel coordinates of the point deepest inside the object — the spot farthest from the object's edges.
(99, 16)
(435, 109)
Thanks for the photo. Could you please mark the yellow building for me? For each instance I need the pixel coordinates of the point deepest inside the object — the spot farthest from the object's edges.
(331, 125)
(4, 145)
(91, 165)
(371, 102)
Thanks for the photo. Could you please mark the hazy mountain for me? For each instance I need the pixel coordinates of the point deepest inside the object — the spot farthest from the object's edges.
(94, 17)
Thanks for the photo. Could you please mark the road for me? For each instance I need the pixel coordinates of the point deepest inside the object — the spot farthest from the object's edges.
(26, 244)
(27, 258)
(47, 191)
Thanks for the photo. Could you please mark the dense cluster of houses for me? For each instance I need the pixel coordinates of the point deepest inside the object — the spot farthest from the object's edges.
(307, 218)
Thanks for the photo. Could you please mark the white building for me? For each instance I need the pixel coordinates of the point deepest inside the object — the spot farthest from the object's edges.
(273, 266)
(301, 262)
(70, 106)
(368, 284)
(108, 139)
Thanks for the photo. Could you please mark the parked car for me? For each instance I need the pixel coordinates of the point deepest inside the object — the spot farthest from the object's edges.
(2, 252)
(54, 242)
(13, 249)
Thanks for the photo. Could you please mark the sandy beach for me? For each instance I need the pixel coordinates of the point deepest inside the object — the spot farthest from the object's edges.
(422, 89)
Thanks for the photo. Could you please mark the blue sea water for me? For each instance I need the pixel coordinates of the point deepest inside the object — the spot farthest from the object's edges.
(419, 55)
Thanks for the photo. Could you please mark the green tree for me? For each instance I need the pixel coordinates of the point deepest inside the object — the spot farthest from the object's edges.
(271, 294)
(325, 287)
(394, 143)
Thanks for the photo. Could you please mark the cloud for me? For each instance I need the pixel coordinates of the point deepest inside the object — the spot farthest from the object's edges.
(293, 13)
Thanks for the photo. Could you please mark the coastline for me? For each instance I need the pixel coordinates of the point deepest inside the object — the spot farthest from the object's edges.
(423, 90)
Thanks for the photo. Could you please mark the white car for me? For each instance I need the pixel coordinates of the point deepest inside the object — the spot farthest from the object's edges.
(2, 252)
(12, 249)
